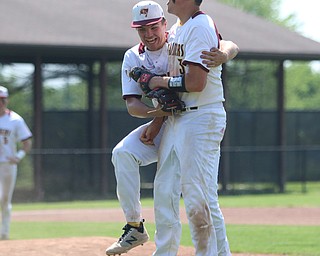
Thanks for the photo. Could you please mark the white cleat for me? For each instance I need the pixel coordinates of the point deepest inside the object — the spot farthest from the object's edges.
(132, 237)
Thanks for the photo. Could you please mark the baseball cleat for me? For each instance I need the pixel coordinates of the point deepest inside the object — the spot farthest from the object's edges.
(132, 237)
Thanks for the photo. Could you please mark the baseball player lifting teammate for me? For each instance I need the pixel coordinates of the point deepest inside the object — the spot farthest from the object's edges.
(190, 146)
(140, 147)
(13, 131)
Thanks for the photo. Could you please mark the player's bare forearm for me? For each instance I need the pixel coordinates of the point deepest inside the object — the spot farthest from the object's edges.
(26, 145)
(215, 57)
(137, 108)
(151, 131)
(229, 48)
(194, 80)
(159, 81)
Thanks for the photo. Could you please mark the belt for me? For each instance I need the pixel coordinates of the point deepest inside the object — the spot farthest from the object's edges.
(208, 106)
(190, 109)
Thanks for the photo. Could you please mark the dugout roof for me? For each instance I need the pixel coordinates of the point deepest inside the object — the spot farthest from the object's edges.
(60, 30)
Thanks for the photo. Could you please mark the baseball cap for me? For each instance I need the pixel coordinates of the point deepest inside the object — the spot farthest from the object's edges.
(3, 92)
(146, 13)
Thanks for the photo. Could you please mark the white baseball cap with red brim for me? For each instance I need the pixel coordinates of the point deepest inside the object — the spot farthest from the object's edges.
(146, 13)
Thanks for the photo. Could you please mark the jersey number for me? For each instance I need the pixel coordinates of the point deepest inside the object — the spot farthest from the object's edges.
(182, 67)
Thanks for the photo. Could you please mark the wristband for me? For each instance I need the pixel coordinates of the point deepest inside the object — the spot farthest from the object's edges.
(177, 84)
(21, 154)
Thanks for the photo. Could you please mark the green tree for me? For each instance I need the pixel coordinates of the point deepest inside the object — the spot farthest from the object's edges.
(257, 79)
(268, 9)
(70, 92)
(303, 86)
(251, 85)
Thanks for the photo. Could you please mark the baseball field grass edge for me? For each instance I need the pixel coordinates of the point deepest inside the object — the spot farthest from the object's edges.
(263, 239)
(309, 199)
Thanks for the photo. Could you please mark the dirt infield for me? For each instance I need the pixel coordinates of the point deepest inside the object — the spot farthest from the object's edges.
(89, 246)
(94, 246)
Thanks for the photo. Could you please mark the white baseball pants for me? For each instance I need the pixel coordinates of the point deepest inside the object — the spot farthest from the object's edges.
(127, 156)
(189, 155)
(8, 176)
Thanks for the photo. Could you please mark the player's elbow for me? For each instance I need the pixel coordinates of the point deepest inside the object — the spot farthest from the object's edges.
(137, 112)
(27, 145)
(196, 86)
(134, 106)
(200, 87)
(133, 112)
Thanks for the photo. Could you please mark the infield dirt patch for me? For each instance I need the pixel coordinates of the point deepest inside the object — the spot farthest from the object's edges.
(88, 246)
(95, 246)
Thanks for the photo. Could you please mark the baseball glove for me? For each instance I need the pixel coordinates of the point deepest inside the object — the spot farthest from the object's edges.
(143, 77)
(168, 100)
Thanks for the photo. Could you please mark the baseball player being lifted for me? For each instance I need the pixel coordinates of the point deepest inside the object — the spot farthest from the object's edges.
(13, 131)
(140, 147)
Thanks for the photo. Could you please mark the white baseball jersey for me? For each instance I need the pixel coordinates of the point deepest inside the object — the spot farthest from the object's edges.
(140, 56)
(184, 50)
(13, 129)
(189, 152)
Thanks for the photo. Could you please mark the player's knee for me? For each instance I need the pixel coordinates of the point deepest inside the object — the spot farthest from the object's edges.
(201, 222)
(122, 154)
(166, 196)
(121, 149)
(117, 153)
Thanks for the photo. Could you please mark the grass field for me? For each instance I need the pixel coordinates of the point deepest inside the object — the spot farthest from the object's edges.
(288, 240)
(266, 239)
(293, 198)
